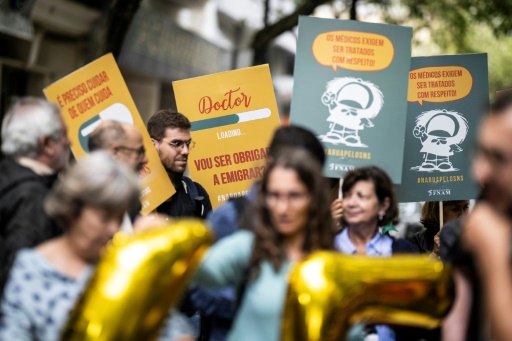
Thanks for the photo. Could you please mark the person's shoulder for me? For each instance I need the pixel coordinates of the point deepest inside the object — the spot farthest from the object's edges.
(15, 176)
(401, 245)
(419, 240)
(28, 258)
(240, 238)
(225, 213)
(450, 237)
(417, 237)
(199, 187)
(25, 269)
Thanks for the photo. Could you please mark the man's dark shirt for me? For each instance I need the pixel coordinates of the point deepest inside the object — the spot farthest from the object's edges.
(23, 222)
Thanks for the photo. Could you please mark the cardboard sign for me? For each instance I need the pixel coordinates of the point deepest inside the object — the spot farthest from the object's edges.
(95, 93)
(233, 115)
(447, 97)
(350, 89)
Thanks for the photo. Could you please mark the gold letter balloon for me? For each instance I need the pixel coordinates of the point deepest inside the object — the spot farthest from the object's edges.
(136, 282)
(330, 292)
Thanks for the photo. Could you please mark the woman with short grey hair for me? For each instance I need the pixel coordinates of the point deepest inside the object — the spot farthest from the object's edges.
(89, 203)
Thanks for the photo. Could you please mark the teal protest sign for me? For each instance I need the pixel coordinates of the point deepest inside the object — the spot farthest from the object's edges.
(350, 89)
(447, 97)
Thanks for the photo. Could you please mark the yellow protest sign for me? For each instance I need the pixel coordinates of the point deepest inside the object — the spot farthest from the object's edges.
(96, 93)
(233, 116)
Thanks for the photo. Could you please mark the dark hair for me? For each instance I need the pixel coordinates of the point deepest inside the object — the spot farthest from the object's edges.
(502, 102)
(319, 231)
(383, 189)
(295, 136)
(166, 118)
(430, 212)
(105, 135)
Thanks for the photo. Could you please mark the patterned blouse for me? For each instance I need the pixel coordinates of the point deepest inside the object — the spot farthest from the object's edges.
(38, 298)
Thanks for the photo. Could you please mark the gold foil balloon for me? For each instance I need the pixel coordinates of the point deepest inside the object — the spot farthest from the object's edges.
(329, 292)
(136, 282)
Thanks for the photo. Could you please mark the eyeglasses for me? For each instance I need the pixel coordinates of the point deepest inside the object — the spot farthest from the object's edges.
(496, 158)
(293, 199)
(178, 144)
(140, 151)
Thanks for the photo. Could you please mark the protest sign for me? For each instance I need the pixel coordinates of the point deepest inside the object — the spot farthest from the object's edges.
(96, 93)
(350, 89)
(233, 116)
(447, 97)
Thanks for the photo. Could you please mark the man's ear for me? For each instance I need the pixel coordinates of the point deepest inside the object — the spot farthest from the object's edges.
(155, 143)
(45, 145)
(114, 149)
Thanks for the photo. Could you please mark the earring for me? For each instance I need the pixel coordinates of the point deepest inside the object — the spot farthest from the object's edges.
(381, 216)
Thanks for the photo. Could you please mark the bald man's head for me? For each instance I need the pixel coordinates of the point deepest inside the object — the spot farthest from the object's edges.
(122, 140)
(107, 134)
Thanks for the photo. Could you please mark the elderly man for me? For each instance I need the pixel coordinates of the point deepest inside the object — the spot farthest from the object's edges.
(480, 246)
(122, 140)
(36, 148)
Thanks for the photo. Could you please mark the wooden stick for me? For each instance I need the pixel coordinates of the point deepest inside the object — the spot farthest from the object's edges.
(441, 219)
(340, 191)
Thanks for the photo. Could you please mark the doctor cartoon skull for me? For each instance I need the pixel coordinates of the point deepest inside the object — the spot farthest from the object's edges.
(441, 132)
(352, 104)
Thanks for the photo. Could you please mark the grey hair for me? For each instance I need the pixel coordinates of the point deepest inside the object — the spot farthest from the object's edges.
(98, 181)
(28, 119)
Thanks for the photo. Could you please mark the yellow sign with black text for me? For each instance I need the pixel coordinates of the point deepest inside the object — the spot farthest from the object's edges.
(233, 115)
(96, 93)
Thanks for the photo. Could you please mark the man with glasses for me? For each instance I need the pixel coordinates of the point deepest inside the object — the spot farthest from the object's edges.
(480, 246)
(35, 148)
(170, 133)
(124, 141)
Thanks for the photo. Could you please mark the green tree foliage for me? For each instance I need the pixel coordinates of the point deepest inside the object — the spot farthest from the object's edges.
(467, 26)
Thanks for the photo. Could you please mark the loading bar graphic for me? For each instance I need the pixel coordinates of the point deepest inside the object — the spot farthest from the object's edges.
(247, 116)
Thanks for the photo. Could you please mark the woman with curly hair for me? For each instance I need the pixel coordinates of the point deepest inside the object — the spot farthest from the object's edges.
(292, 219)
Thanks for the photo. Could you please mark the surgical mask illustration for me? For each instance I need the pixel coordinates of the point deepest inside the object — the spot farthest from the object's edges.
(441, 132)
(352, 103)
(116, 112)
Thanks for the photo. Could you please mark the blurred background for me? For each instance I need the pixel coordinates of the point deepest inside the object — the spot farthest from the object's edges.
(158, 41)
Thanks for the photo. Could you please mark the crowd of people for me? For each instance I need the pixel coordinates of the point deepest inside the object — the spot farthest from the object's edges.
(55, 219)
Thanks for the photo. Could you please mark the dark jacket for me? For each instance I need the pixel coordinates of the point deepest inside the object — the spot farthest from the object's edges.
(402, 246)
(424, 240)
(23, 222)
(190, 200)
